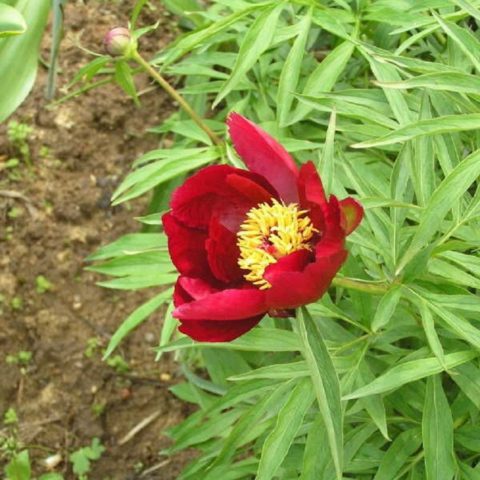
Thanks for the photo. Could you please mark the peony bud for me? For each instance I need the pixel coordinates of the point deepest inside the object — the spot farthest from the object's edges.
(118, 42)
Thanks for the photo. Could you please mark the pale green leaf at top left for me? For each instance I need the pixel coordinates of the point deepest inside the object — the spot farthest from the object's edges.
(19, 57)
(11, 21)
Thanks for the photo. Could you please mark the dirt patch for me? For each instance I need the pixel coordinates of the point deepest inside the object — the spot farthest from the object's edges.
(52, 215)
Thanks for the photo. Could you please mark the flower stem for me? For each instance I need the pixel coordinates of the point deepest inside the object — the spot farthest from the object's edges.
(177, 97)
(360, 285)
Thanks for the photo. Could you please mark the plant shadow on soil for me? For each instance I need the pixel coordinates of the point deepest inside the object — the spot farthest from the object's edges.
(65, 395)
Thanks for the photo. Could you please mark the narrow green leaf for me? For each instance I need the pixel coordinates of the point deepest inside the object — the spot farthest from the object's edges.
(130, 244)
(468, 7)
(257, 39)
(315, 460)
(410, 372)
(192, 40)
(453, 82)
(467, 377)
(397, 455)
(445, 124)
(289, 421)
(326, 164)
(256, 340)
(386, 307)
(276, 371)
(324, 77)
(326, 385)
(168, 328)
(459, 325)
(291, 71)
(135, 319)
(430, 332)
(444, 197)
(437, 432)
(465, 40)
(124, 78)
(268, 403)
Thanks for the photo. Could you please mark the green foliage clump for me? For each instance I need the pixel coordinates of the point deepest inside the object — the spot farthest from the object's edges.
(380, 379)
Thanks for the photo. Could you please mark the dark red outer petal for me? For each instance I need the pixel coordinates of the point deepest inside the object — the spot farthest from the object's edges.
(214, 192)
(351, 214)
(217, 331)
(249, 188)
(180, 295)
(230, 304)
(294, 289)
(223, 253)
(312, 195)
(262, 154)
(189, 289)
(187, 248)
(204, 194)
(195, 288)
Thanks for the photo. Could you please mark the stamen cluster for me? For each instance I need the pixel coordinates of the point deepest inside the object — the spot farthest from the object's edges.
(270, 232)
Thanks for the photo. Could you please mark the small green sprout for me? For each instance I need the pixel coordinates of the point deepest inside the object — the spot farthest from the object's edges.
(23, 357)
(43, 285)
(10, 417)
(16, 303)
(118, 363)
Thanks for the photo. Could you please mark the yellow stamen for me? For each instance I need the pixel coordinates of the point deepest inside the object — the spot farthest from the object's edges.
(270, 232)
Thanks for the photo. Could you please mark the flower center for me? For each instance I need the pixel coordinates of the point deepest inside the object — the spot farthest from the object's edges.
(270, 232)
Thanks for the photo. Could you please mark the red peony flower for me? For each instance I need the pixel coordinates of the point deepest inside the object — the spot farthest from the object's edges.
(252, 242)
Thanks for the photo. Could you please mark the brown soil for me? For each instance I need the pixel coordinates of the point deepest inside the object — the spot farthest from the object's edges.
(80, 150)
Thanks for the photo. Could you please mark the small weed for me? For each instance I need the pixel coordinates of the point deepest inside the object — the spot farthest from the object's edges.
(10, 417)
(18, 134)
(48, 207)
(23, 357)
(82, 458)
(91, 347)
(98, 408)
(118, 363)
(42, 284)
(12, 163)
(16, 303)
(15, 212)
(44, 152)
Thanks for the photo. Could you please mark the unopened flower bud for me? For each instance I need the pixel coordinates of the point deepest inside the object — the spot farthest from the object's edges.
(118, 42)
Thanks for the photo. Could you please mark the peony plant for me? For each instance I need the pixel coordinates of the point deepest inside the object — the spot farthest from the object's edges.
(376, 377)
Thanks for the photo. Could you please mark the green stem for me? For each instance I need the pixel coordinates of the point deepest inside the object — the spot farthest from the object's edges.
(362, 286)
(177, 97)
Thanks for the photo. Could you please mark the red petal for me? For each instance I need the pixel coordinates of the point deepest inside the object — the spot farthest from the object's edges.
(223, 253)
(188, 289)
(294, 289)
(218, 331)
(208, 193)
(312, 195)
(250, 189)
(193, 289)
(351, 214)
(186, 247)
(180, 295)
(295, 262)
(264, 155)
(230, 304)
